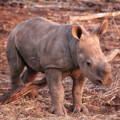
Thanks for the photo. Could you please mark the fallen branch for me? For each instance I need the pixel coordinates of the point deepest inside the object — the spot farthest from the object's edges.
(57, 7)
(94, 16)
(113, 54)
(20, 92)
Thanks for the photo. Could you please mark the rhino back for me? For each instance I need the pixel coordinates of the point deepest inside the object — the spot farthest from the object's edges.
(43, 44)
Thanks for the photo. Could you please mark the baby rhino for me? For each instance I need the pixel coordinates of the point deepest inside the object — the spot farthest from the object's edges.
(55, 49)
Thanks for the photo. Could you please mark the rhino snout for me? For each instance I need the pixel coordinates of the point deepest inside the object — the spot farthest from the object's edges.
(103, 69)
(104, 73)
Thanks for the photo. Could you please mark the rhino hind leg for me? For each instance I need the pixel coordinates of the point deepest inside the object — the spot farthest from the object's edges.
(16, 67)
(29, 76)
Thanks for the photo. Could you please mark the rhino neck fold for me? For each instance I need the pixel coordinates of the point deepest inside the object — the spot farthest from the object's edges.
(72, 48)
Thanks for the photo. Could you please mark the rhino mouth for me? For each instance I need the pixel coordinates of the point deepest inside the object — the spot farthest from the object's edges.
(98, 82)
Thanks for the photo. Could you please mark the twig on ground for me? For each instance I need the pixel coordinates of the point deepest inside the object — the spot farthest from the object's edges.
(94, 16)
(112, 55)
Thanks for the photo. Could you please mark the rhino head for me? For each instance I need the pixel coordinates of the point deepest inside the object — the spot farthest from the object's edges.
(90, 58)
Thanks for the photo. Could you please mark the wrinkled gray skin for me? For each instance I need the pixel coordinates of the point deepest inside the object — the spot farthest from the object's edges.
(51, 48)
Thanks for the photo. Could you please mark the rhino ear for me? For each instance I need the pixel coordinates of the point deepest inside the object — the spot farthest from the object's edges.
(76, 32)
(102, 28)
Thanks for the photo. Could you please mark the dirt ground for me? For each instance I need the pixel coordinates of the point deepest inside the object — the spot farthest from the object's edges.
(102, 102)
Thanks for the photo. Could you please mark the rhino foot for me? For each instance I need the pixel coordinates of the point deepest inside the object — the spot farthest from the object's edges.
(80, 108)
(59, 110)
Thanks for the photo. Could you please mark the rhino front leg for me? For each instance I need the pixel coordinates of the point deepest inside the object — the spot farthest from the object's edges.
(54, 79)
(77, 90)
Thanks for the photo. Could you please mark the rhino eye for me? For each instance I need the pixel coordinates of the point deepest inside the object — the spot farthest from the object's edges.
(89, 63)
